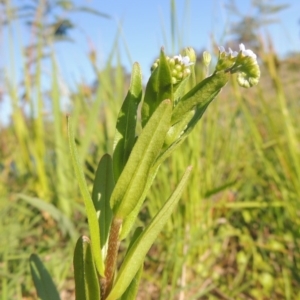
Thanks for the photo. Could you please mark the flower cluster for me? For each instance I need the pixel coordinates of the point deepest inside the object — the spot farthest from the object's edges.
(179, 66)
(243, 63)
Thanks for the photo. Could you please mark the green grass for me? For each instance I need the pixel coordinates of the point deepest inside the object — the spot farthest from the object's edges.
(235, 233)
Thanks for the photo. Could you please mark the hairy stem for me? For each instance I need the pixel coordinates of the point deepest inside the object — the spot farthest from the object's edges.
(111, 259)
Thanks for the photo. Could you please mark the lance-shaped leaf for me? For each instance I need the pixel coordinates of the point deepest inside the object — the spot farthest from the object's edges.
(179, 89)
(102, 189)
(198, 113)
(200, 95)
(88, 202)
(167, 152)
(133, 179)
(43, 282)
(131, 218)
(178, 128)
(85, 274)
(136, 254)
(159, 88)
(189, 120)
(126, 123)
(186, 123)
(192, 117)
(132, 289)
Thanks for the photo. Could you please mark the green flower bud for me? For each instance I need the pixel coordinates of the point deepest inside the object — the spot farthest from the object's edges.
(179, 66)
(190, 53)
(226, 59)
(186, 72)
(180, 75)
(174, 80)
(172, 62)
(206, 58)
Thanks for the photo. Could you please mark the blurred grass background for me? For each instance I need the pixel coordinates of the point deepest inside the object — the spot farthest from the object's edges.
(235, 234)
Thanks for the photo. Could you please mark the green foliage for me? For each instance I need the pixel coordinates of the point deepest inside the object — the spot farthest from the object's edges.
(235, 230)
(201, 95)
(45, 287)
(159, 88)
(132, 289)
(89, 205)
(85, 274)
(133, 179)
(127, 122)
(138, 164)
(102, 189)
(135, 256)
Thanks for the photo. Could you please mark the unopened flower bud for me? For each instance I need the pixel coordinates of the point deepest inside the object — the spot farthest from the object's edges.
(206, 58)
(186, 72)
(179, 65)
(190, 53)
(172, 62)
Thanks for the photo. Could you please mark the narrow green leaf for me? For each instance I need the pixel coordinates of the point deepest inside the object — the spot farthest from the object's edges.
(102, 189)
(133, 179)
(43, 282)
(180, 88)
(126, 123)
(159, 88)
(166, 153)
(172, 147)
(200, 95)
(136, 254)
(132, 289)
(89, 206)
(198, 112)
(178, 128)
(85, 274)
(131, 218)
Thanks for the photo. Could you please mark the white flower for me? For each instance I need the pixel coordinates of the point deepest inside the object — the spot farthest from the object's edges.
(243, 50)
(230, 53)
(222, 49)
(247, 52)
(178, 58)
(243, 63)
(184, 60)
